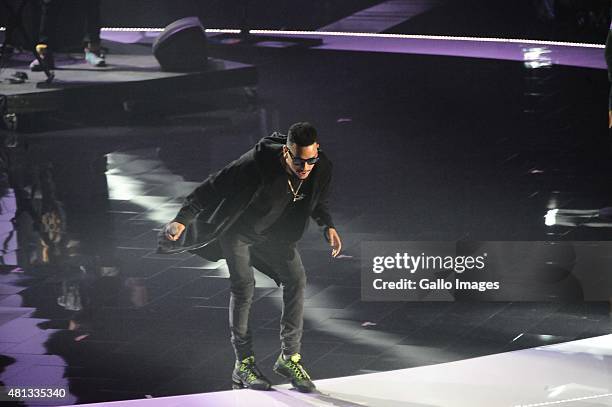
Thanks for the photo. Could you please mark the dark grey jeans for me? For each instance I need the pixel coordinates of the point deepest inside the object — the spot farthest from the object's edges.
(285, 260)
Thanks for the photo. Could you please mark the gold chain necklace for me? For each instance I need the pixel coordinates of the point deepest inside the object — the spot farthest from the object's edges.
(295, 192)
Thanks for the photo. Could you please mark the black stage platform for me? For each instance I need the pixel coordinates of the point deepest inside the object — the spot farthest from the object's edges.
(127, 77)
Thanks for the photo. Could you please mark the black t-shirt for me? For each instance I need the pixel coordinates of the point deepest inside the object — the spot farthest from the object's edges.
(273, 212)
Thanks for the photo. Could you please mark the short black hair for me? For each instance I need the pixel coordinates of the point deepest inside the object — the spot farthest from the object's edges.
(303, 134)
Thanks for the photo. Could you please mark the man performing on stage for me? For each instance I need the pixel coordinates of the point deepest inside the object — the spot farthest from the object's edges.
(252, 213)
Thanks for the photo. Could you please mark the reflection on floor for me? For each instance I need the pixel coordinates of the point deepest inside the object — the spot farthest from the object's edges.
(424, 147)
(590, 56)
(382, 16)
(571, 374)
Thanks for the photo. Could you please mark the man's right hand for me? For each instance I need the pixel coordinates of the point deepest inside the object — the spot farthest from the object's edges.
(174, 230)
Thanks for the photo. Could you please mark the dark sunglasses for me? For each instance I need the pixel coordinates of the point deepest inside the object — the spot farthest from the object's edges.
(298, 162)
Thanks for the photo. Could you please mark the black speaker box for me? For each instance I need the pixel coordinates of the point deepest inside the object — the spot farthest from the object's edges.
(181, 47)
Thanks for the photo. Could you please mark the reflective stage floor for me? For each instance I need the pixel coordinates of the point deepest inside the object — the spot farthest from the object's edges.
(425, 147)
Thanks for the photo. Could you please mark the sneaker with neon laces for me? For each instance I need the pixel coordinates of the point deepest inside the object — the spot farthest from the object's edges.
(46, 59)
(247, 375)
(290, 368)
(95, 58)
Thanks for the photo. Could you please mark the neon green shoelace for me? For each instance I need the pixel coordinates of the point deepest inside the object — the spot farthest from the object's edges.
(246, 366)
(294, 364)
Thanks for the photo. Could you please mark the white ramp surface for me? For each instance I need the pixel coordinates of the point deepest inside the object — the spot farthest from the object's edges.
(573, 374)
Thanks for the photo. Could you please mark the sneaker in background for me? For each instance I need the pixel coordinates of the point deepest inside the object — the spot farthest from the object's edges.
(46, 59)
(95, 58)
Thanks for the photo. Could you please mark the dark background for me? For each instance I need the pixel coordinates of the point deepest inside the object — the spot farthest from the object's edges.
(564, 20)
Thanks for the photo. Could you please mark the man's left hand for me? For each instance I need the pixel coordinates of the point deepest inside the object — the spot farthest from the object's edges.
(334, 241)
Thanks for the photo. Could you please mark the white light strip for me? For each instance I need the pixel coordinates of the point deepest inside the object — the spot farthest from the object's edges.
(223, 30)
(134, 29)
(151, 29)
(368, 35)
(550, 403)
(426, 37)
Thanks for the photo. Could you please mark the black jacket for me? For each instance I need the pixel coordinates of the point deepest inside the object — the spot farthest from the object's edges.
(219, 201)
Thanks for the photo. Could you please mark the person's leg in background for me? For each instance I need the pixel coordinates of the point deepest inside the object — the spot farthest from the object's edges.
(236, 251)
(8, 46)
(93, 53)
(47, 37)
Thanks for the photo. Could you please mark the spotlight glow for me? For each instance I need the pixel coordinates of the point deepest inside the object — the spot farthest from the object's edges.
(535, 54)
(550, 219)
